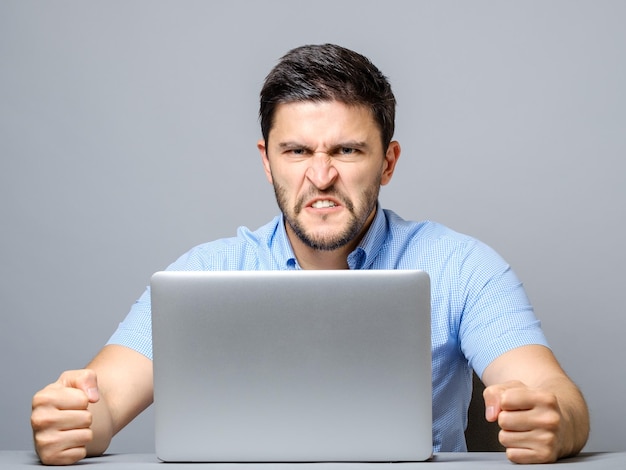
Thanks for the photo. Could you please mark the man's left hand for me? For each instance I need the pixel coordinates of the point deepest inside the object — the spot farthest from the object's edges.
(530, 419)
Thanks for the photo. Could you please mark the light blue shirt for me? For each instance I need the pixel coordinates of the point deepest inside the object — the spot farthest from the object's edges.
(479, 308)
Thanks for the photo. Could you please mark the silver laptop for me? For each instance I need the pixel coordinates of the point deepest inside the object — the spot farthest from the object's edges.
(292, 366)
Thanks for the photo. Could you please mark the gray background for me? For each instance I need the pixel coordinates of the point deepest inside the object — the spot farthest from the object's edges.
(128, 131)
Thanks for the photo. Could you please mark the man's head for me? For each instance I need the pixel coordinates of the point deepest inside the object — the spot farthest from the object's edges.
(327, 116)
(328, 73)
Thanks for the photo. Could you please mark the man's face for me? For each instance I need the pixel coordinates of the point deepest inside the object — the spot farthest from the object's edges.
(326, 163)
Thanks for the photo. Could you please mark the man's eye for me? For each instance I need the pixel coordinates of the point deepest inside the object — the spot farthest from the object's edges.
(298, 151)
(347, 151)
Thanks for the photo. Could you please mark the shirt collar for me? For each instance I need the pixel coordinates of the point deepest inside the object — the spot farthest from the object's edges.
(361, 258)
(280, 247)
(371, 244)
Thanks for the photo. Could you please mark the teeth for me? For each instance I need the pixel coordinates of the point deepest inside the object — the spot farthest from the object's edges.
(321, 204)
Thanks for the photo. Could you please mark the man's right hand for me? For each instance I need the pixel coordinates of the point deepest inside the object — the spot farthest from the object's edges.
(61, 419)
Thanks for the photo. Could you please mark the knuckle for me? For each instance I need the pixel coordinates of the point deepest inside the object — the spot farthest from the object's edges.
(37, 421)
(513, 456)
(67, 457)
(37, 400)
(77, 454)
(83, 420)
(545, 455)
(40, 420)
(551, 421)
(88, 435)
(46, 443)
(89, 420)
(41, 398)
(53, 449)
(548, 399)
(46, 457)
(548, 440)
(503, 437)
(503, 419)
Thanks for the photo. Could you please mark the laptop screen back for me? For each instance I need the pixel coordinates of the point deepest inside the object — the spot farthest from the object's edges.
(294, 366)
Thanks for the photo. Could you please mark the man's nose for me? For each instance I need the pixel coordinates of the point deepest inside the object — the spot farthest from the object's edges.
(321, 171)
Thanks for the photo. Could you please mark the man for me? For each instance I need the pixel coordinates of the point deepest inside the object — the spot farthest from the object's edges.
(327, 119)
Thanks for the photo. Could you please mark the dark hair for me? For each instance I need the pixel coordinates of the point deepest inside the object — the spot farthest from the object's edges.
(328, 73)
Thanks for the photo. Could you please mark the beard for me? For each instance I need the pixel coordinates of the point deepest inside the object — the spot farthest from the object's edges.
(329, 241)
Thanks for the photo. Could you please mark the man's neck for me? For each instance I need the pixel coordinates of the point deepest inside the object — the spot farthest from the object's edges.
(318, 259)
(310, 258)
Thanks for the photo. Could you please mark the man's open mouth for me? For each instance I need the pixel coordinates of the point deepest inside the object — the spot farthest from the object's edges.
(323, 204)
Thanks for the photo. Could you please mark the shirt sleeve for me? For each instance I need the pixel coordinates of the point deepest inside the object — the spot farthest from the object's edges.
(135, 331)
(497, 314)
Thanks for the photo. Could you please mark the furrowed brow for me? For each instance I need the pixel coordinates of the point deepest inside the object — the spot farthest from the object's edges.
(291, 145)
(355, 144)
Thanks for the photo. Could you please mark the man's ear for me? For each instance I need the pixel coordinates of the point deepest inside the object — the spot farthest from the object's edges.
(391, 158)
(261, 145)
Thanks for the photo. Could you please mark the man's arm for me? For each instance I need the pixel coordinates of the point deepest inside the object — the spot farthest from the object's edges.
(541, 413)
(79, 414)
